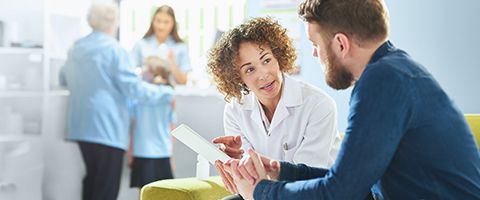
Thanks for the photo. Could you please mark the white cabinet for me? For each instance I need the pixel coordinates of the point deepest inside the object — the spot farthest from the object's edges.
(35, 36)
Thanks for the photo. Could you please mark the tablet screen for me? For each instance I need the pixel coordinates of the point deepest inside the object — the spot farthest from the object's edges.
(199, 144)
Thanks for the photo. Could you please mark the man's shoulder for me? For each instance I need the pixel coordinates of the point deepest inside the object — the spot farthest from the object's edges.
(397, 63)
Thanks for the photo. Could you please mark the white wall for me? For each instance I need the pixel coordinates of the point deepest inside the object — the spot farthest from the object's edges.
(442, 35)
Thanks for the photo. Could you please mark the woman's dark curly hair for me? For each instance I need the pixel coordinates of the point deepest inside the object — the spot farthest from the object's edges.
(264, 31)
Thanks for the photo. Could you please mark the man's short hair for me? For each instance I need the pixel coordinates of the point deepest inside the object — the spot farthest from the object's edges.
(103, 17)
(363, 20)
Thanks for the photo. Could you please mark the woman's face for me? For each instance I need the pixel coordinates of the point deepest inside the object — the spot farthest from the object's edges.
(259, 70)
(162, 24)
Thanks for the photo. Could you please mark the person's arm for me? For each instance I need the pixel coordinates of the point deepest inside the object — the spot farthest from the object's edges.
(179, 75)
(130, 144)
(132, 86)
(295, 172)
(380, 110)
(231, 144)
(320, 143)
(231, 114)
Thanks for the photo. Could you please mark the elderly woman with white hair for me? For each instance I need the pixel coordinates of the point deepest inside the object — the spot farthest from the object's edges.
(97, 74)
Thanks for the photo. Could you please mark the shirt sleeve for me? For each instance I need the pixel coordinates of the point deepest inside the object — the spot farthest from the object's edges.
(380, 110)
(321, 131)
(293, 172)
(231, 126)
(133, 87)
(132, 109)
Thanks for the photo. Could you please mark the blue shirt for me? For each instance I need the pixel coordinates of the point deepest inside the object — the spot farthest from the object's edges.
(404, 135)
(97, 74)
(150, 47)
(152, 131)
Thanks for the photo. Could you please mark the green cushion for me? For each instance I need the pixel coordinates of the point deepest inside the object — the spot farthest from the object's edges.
(474, 123)
(185, 188)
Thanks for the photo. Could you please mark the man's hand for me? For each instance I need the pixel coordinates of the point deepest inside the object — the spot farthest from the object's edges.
(246, 167)
(226, 177)
(256, 168)
(231, 145)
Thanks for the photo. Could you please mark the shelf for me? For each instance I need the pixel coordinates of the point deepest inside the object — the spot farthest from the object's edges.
(33, 93)
(20, 50)
(59, 93)
(8, 93)
(17, 138)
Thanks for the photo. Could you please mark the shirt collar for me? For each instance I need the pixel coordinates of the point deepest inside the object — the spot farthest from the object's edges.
(383, 50)
(291, 95)
(154, 40)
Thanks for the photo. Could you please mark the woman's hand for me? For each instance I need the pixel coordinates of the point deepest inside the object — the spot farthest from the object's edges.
(231, 145)
(171, 59)
(226, 177)
(249, 171)
(180, 77)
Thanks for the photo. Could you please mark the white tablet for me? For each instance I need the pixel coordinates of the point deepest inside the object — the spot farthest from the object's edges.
(199, 144)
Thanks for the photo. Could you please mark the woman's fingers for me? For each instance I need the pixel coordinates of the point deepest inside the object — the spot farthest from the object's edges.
(258, 165)
(231, 145)
(244, 169)
(233, 152)
(226, 178)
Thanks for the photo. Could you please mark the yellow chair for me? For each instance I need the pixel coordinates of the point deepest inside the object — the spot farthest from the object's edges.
(185, 189)
(474, 123)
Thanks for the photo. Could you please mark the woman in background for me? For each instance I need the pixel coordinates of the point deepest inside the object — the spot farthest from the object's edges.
(151, 145)
(162, 40)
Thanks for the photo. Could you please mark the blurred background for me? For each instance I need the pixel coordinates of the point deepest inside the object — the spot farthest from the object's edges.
(36, 162)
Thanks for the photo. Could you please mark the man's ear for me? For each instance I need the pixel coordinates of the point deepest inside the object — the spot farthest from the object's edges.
(342, 44)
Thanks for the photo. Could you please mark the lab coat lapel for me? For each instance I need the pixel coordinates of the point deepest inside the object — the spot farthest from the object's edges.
(250, 103)
(291, 97)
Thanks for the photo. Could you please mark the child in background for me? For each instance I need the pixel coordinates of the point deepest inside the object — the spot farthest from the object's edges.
(151, 145)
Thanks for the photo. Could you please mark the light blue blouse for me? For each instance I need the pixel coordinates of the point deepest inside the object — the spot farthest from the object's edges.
(152, 132)
(99, 76)
(150, 47)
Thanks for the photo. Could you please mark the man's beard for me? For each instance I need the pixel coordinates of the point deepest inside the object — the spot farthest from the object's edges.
(336, 74)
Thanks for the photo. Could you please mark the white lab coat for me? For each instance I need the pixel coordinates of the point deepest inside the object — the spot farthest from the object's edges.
(303, 128)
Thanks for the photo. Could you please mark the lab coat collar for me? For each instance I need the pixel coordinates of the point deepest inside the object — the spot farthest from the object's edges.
(291, 97)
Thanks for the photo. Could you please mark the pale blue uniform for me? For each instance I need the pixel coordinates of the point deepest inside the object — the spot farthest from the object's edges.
(150, 47)
(97, 73)
(152, 132)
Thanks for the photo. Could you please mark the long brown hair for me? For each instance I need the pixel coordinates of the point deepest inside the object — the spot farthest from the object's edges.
(171, 13)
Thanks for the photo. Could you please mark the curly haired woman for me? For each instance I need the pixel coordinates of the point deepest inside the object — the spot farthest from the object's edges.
(269, 111)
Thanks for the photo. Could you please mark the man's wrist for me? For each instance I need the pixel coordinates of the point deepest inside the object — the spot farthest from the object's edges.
(262, 189)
